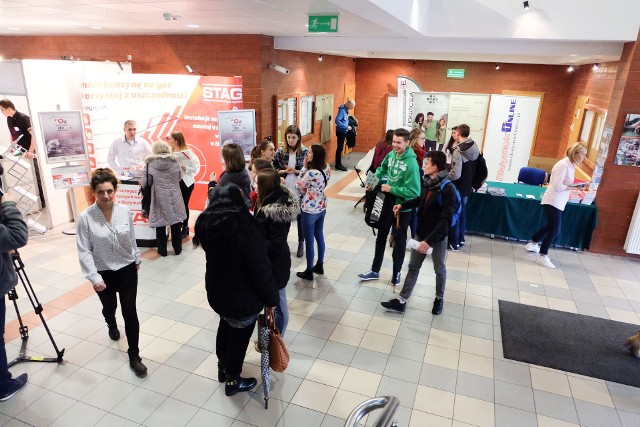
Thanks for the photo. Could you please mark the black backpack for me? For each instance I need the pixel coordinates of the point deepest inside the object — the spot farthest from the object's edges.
(481, 174)
(378, 208)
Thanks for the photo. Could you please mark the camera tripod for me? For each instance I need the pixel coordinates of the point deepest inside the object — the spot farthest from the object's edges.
(37, 307)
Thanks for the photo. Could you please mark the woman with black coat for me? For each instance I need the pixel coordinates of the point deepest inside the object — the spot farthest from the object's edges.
(238, 279)
(276, 207)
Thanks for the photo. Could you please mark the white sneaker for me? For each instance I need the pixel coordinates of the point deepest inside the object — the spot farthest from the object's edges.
(544, 261)
(532, 247)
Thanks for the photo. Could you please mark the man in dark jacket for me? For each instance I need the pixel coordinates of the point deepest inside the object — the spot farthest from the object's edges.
(463, 168)
(435, 211)
(342, 127)
(13, 235)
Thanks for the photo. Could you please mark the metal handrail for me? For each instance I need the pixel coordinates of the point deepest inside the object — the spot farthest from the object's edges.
(389, 403)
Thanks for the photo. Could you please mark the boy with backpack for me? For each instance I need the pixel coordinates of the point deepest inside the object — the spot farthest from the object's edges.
(438, 206)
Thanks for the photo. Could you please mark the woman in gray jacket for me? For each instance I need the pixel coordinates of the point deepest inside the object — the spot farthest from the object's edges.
(162, 173)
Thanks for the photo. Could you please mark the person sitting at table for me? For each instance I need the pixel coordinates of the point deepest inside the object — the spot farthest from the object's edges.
(555, 200)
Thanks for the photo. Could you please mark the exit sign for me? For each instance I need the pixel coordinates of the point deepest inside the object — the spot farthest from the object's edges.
(455, 73)
(323, 23)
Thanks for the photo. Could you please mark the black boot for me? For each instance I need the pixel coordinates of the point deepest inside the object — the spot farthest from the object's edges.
(138, 367)
(114, 333)
(318, 268)
(222, 373)
(300, 251)
(238, 385)
(185, 231)
(307, 274)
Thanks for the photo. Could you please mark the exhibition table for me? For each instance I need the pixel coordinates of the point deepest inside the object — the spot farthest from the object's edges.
(519, 217)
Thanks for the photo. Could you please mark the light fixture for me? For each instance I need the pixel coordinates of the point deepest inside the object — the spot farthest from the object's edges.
(95, 28)
(497, 66)
(570, 69)
(320, 57)
(193, 25)
(526, 5)
(596, 66)
(189, 68)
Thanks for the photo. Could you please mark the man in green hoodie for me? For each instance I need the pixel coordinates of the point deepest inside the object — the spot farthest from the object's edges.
(400, 168)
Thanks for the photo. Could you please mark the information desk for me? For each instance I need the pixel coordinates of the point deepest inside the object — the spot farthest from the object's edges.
(518, 217)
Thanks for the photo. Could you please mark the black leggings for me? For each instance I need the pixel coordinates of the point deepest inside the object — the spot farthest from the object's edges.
(231, 346)
(125, 283)
(186, 195)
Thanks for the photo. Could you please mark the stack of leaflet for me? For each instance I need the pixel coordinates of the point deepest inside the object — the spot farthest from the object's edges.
(588, 197)
(575, 197)
(496, 191)
(482, 189)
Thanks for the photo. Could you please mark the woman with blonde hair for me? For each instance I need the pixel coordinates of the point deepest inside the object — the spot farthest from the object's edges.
(417, 142)
(162, 173)
(189, 165)
(555, 200)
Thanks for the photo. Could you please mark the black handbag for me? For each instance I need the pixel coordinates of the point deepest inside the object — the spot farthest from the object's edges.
(145, 203)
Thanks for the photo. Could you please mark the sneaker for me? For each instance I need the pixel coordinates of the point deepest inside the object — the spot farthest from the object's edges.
(396, 279)
(369, 275)
(15, 385)
(454, 248)
(532, 247)
(395, 305)
(461, 243)
(114, 333)
(544, 261)
(437, 306)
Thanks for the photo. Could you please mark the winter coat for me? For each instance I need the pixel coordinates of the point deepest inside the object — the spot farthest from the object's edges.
(167, 206)
(279, 209)
(353, 132)
(238, 278)
(13, 235)
(240, 178)
(433, 219)
(462, 153)
(402, 174)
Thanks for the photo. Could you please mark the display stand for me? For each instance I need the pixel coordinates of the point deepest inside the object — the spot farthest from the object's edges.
(19, 170)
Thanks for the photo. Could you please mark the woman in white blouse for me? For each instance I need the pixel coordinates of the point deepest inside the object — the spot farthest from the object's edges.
(190, 166)
(110, 259)
(555, 200)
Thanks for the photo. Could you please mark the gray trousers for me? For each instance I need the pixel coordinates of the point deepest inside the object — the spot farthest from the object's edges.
(439, 257)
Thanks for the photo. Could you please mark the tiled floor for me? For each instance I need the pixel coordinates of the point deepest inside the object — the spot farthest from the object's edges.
(446, 370)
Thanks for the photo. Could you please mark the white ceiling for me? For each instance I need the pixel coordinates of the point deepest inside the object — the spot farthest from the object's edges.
(551, 32)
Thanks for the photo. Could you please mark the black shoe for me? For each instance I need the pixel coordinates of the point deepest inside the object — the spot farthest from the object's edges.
(318, 268)
(454, 248)
(395, 304)
(307, 274)
(239, 385)
(14, 386)
(340, 168)
(300, 251)
(437, 306)
(395, 280)
(162, 252)
(185, 232)
(138, 367)
(114, 333)
(177, 251)
(222, 373)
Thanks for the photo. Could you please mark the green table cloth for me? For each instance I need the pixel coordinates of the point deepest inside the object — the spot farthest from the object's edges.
(518, 217)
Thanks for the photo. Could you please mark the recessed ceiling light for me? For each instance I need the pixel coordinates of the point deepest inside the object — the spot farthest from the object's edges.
(96, 28)
(13, 28)
(193, 25)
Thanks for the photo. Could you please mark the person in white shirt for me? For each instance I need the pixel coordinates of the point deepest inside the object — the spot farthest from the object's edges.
(128, 152)
(110, 260)
(190, 166)
(555, 200)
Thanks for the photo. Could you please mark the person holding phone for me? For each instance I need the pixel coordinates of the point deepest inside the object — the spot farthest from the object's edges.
(555, 200)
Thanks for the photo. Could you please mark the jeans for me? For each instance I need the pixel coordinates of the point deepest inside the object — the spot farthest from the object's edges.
(312, 226)
(125, 283)
(456, 233)
(282, 312)
(549, 232)
(430, 145)
(439, 257)
(339, 147)
(5, 375)
(231, 346)
(186, 195)
(399, 246)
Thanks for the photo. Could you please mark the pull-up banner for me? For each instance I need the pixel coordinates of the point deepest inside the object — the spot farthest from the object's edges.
(160, 104)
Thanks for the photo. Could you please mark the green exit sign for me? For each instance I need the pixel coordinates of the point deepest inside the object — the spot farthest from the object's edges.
(455, 73)
(323, 23)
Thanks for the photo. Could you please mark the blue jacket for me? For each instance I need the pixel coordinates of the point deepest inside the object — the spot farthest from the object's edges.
(342, 120)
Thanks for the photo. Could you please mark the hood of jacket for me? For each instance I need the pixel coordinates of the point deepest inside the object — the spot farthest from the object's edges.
(469, 149)
(281, 205)
(164, 161)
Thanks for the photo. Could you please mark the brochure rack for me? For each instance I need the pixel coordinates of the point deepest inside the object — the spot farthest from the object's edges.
(22, 186)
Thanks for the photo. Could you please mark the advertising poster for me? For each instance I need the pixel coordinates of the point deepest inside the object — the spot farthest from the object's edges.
(628, 153)
(603, 152)
(431, 102)
(70, 176)
(239, 127)
(469, 108)
(510, 130)
(406, 88)
(63, 136)
(160, 104)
